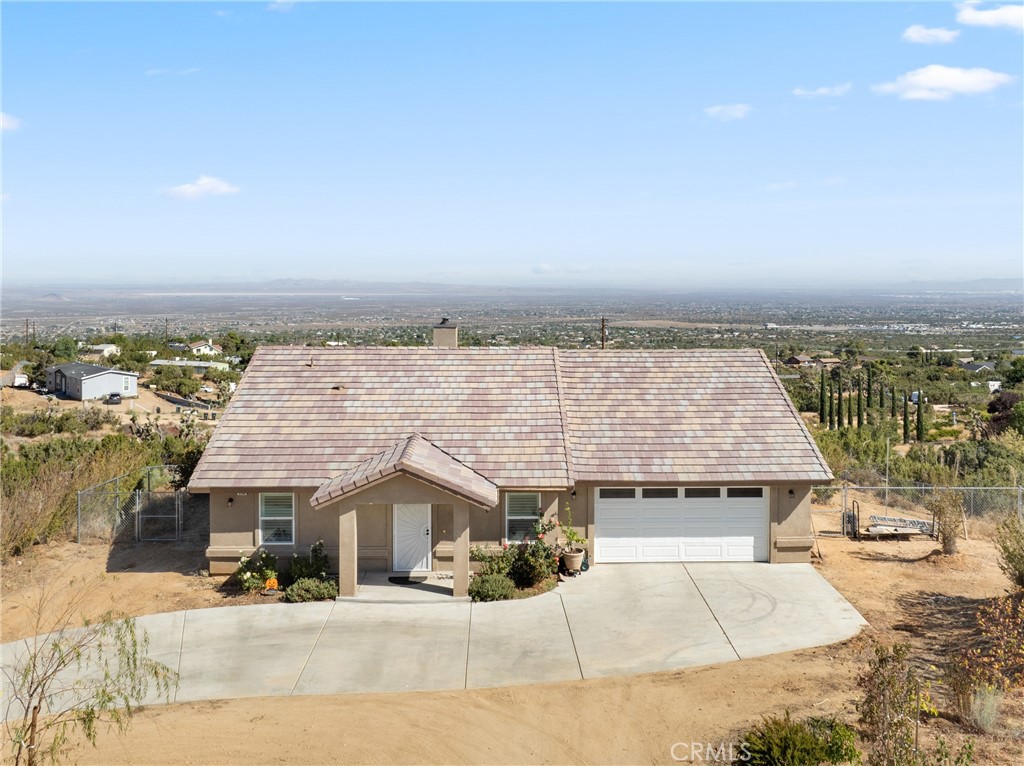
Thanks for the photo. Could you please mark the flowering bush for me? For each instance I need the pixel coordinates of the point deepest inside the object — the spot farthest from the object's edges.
(535, 559)
(253, 572)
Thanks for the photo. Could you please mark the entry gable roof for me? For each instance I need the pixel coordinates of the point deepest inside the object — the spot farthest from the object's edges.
(416, 457)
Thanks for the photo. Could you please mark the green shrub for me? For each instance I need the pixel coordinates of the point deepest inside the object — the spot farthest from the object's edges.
(781, 742)
(1010, 541)
(311, 589)
(254, 571)
(493, 562)
(839, 740)
(315, 566)
(491, 587)
(534, 562)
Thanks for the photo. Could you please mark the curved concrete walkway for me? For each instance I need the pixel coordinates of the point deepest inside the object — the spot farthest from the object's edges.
(613, 620)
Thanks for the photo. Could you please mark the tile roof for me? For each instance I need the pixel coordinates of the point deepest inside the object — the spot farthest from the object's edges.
(521, 417)
(416, 457)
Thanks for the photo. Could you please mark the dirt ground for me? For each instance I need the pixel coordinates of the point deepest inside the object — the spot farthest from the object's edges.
(146, 404)
(904, 589)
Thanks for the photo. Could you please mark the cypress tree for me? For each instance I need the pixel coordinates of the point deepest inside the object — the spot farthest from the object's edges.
(839, 403)
(871, 382)
(822, 412)
(831, 407)
(860, 404)
(881, 401)
(849, 407)
(892, 402)
(920, 416)
(906, 418)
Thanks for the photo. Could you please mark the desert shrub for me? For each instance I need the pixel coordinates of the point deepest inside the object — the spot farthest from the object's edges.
(838, 739)
(1010, 541)
(493, 561)
(948, 507)
(254, 571)
(985, 704)
(889, 709)
(491, 587)
(315, 566)
(776, 741)
(311, 589)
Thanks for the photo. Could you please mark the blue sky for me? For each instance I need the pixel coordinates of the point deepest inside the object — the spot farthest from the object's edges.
(678, 146)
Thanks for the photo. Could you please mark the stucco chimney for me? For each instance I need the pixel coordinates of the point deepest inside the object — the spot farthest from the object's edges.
(446, 334)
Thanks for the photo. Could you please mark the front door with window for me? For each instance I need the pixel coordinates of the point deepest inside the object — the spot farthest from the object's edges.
(412, 542)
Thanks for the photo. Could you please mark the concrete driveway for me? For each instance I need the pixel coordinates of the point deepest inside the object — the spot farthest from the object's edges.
(614, 620)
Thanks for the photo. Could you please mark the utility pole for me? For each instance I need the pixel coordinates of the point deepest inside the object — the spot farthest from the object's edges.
(26, 331)
(165, 331)
(603, 332)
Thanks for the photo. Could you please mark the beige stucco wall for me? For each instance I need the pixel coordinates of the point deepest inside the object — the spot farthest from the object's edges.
(791, 535)
(233, 530)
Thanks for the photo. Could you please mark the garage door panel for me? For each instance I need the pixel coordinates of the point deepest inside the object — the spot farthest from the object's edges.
(719, 528)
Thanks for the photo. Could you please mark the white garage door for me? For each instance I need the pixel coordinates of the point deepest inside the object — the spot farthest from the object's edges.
(681, 524)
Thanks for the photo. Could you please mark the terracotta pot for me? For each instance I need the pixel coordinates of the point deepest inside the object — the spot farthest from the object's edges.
(572, 559)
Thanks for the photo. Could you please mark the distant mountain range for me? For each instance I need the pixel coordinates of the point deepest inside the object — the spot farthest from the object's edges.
(59, 293)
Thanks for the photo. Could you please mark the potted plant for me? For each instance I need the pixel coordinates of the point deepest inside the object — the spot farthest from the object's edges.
(575, 548)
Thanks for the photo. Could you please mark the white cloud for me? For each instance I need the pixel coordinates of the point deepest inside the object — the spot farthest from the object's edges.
(781, 186)
(8, 122)
(825, 90)
(940, 83)
(929, 35)
(205, 186)
(281, 6)
(1001, 16)
(174, 72)
(727, 112)
(543, 268)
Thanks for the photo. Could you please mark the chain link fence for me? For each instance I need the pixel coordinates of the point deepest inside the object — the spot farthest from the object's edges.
(140, 505)
(848, 510)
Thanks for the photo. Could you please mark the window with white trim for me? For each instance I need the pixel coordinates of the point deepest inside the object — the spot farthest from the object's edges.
(522, 511)
(126, 385)
(277, 518)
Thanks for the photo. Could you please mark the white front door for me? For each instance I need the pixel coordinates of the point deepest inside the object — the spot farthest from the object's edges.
(412, 537)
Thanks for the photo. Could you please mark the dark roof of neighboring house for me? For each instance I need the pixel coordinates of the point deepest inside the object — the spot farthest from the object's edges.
(519, 417)
(83, 371)
(979, 366)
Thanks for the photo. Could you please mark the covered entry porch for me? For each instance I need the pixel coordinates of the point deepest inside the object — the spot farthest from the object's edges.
(415, 501)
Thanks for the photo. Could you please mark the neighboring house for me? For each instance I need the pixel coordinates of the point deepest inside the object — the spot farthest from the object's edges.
(828, 361)
(178, 346)
(1017, 352)
(104, 350)
(205, 348)
(800, 360)
(975, 367)
(401, 458)
(90, 381)
(198, 366)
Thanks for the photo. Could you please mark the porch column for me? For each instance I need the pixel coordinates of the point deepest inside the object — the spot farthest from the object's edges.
(348, 556)
(460, 551)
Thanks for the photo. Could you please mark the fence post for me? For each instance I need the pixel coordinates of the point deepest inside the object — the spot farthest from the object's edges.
(1020, 501)
(78, 499)
(138, 515)
(844, 498)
